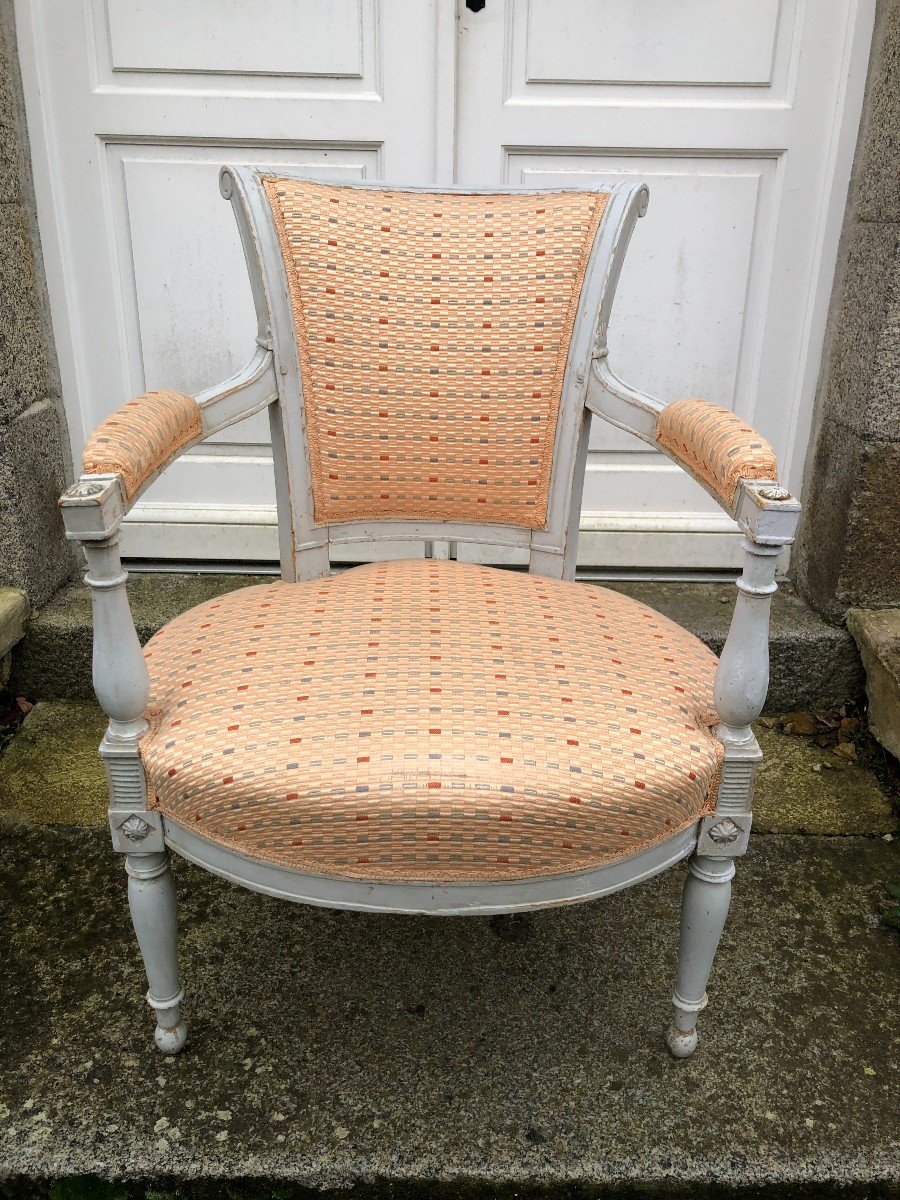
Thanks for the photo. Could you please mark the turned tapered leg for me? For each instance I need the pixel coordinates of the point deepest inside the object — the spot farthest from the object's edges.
(151, 898)
(704, 907)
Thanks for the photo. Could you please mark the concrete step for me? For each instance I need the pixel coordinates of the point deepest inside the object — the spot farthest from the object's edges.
(51, 774)
(416, 1057)
(812, 663)
(877, 633)
(405, 1057)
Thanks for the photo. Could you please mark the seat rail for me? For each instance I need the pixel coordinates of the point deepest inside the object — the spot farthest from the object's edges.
(438, 899)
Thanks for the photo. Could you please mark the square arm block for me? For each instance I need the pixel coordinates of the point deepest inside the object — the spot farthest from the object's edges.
(93, 507)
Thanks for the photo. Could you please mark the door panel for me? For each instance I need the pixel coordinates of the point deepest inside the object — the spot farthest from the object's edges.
(648, 42)
(284, 38)
(297, 47)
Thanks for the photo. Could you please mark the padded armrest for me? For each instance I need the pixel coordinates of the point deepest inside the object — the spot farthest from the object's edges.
(141, 436)
(715, 445)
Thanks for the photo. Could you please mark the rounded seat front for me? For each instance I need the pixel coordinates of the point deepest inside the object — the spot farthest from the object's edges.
(430, 721)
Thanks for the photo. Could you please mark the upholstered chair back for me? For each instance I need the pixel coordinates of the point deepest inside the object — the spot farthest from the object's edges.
(433, 332)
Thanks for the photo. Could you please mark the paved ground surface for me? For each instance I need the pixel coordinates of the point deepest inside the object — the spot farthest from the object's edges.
(412, 1057)
(334, 1048)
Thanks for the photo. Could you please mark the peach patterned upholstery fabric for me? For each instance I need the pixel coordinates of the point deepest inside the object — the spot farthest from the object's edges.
(433, 331)
(716, 445)
(141, 436)
(431, 721)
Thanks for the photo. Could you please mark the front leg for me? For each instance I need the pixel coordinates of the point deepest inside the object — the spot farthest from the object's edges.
(742, 679)
(93, 511)
(704, 907)
(151, 898)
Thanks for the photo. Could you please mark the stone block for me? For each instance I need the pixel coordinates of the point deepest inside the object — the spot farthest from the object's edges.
(877, 634)
(877, 180)
(870, 570)
(35, 557)
(848, 552)
(10, 116)
(863, 384)
(13, 615)
(883, 419)
(25, 374)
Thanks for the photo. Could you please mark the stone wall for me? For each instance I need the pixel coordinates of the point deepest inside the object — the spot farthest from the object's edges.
(849, 549)
(34, 445)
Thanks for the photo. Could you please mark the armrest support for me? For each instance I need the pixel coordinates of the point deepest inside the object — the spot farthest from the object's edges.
(737, 468)
(715, 446)
(728, 459)
(136, 443)
(126, 452)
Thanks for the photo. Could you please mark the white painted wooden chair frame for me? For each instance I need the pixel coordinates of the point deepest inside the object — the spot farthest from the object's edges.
(93, 509)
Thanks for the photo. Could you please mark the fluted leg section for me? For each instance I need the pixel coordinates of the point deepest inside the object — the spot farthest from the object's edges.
(151, 898)
(704, 907)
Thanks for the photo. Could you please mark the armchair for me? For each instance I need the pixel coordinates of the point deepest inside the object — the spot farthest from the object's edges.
(428, 735)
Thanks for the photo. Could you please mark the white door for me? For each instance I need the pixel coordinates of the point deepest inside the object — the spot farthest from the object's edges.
(742, 118)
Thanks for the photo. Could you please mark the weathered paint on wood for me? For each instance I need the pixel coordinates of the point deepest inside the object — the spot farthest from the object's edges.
(93, 510)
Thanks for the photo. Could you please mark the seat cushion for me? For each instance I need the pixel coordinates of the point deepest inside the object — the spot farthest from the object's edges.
(430, 721)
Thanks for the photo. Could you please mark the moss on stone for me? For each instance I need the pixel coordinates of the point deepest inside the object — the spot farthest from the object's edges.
(51, 772)
(803, 788)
